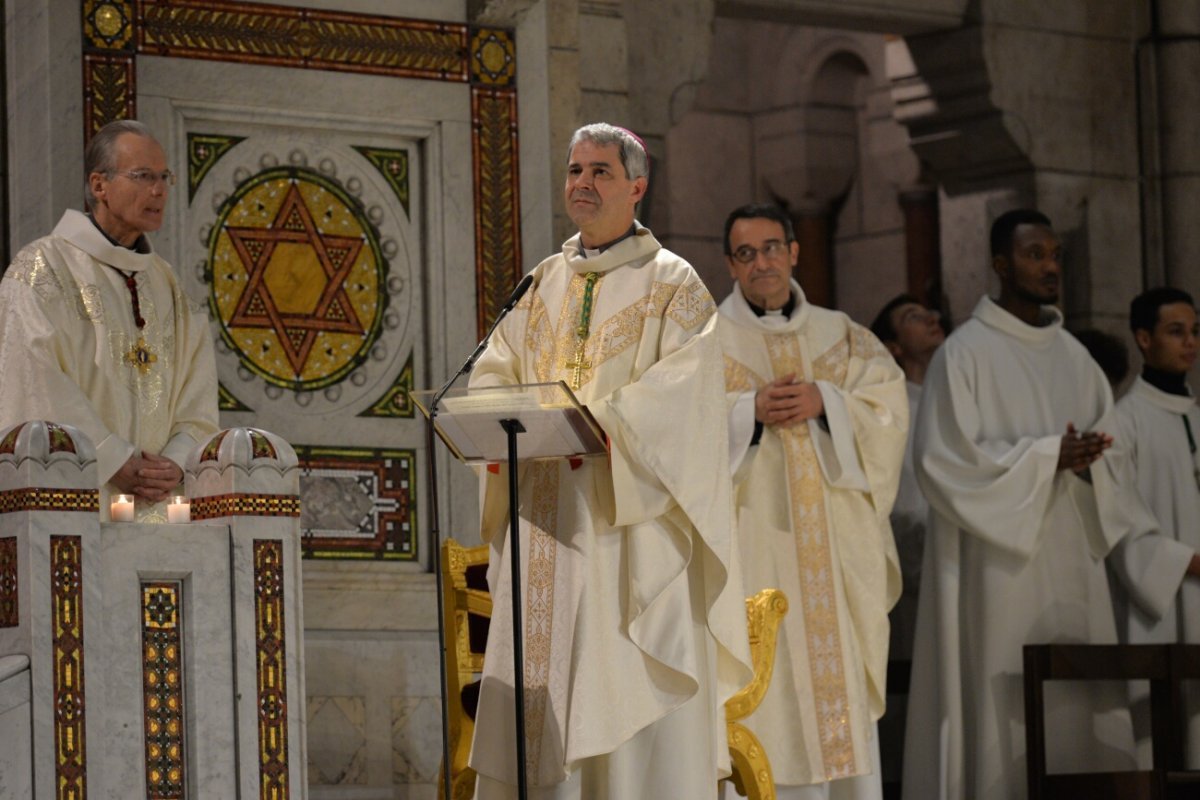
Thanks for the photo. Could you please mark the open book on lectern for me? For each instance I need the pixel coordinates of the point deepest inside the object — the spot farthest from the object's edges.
(556, 424)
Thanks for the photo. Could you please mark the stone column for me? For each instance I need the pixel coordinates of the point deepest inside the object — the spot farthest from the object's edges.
(1177, 55)
(814, 267)
(922, 245)
(248, 479)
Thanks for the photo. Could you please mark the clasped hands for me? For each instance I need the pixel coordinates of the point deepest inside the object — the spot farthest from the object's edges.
(149, 476)
(784, 401)
(1079, 451)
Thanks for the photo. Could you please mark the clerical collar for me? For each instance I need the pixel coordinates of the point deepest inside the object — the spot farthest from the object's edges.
(592, 252)
(140, 245)
(1169, 382)
(785, 311)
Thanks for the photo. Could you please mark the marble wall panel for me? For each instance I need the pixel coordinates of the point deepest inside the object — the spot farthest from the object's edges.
(16, 757)
(396, 678)
(336, 741)
(197, 555)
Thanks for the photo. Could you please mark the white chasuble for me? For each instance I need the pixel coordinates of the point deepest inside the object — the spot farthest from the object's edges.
(812, 511)
(71, 352)
(1156, 603)
(633, 605)
(1014, 555)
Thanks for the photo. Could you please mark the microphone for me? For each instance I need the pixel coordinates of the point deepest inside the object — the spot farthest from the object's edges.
(513, 299)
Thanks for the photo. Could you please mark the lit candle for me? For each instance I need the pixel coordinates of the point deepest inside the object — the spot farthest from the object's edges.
(179, 509)
(122, 508)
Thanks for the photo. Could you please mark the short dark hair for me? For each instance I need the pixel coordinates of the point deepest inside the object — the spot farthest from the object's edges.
(760, 211)
(882, 327)
(1143, 311)
(1107, 351)
(1006, 224)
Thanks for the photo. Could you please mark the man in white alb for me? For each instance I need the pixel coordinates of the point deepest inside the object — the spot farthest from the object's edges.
(98, 334)
(1157, 590)
(817, 422)
(1013, 456)
(635, 623)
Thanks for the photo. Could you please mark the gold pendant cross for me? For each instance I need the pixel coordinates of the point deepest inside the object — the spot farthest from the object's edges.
(141, 356)
(578, 365)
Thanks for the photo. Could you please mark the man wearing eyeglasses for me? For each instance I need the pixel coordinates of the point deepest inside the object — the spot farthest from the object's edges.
(97, 332)
(818, 418)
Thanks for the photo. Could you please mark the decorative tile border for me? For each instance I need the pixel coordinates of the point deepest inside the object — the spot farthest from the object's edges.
(497, 212)
(162, 690)
(257, 33)
(39, 499)
(270, 659)
(66, 613)
(378, 484)
(245, 505)
(303, 38)
(10, 598)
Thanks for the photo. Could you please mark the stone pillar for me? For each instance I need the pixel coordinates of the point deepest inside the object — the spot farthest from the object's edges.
(50, 614)
(248, 480)
(814, 268)
(922, 244)
(1177, 55)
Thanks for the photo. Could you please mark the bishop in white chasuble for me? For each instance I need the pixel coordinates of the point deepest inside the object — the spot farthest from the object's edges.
(635, 629)
(71, 351)
(812, 505)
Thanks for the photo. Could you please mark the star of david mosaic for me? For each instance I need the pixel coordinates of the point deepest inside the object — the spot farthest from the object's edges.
(297, 277)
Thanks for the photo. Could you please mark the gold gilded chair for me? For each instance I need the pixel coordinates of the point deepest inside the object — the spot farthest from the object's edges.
(467, 607)
(467, 610)
(751, 770)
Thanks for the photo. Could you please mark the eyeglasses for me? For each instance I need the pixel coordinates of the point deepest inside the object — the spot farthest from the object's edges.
(772, 250)
(148, 177)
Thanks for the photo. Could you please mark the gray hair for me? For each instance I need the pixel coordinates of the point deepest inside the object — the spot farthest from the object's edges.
(100, 155)
(633, 154)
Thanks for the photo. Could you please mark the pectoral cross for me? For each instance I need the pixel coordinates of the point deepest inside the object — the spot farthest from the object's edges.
(141, 356)
(577, 365)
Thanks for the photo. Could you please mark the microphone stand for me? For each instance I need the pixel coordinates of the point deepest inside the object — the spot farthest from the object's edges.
(435, 540)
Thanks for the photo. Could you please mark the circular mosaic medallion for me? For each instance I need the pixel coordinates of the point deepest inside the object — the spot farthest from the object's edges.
(298, 278)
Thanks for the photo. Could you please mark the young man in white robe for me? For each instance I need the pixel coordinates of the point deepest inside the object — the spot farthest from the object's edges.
(634, 615)
(912, 333)
(818, 418)
(97, 333)
(1157, 591)
(1013, 456)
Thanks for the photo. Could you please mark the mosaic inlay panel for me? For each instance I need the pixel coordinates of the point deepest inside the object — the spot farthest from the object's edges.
(245, 505)
(270, 668)
(497, 210)
(303, 38)
(358, 503)
(66, 615)
(297, 272)
(10, 598)
(162, 689)
(38, 499)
